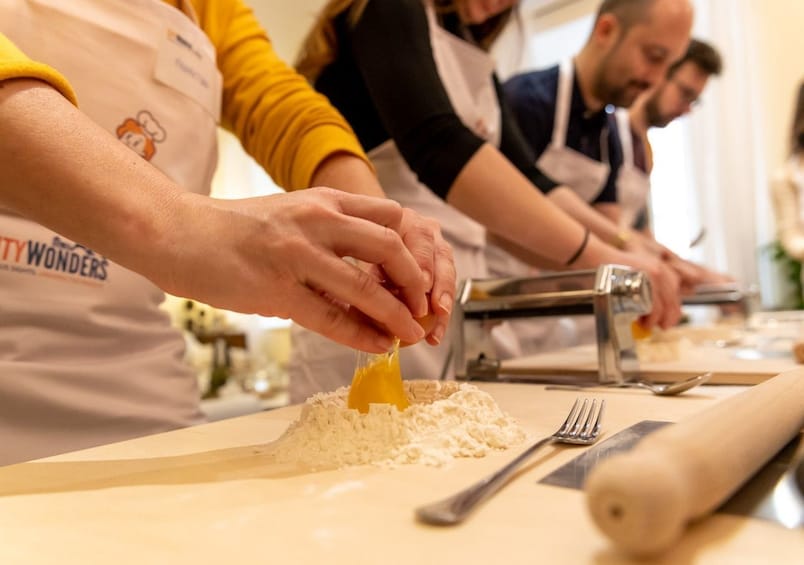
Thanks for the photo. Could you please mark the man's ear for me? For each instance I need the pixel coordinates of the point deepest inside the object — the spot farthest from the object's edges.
(606, 31)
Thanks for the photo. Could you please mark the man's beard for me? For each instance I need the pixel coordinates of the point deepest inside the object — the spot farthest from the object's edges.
(618, 95)
(653, 116)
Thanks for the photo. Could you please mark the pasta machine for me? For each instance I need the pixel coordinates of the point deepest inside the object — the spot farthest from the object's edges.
(613, 294)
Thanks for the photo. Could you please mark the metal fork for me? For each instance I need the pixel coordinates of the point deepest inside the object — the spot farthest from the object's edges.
(582, 427)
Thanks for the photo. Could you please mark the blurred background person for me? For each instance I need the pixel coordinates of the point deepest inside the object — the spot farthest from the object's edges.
(672, 98)
(565, 114)
(565, 111)
(787, 190)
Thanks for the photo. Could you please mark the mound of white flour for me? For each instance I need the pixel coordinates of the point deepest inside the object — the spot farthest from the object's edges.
(444, 421)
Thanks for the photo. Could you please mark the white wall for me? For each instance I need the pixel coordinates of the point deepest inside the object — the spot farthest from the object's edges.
(779, 44)
(287, 22)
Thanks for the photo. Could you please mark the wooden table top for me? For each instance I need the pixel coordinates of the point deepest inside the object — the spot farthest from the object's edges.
(207, 495)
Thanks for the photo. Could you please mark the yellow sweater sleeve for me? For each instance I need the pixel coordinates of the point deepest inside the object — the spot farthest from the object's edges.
(14, 64)
(281, 121)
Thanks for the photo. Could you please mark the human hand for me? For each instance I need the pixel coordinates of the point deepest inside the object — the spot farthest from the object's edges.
(282, 255)
(665, 284)
(693, 275)
(422, 236)
(641, 244)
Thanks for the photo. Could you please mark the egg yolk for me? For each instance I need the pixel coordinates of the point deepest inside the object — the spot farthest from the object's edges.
(379, 382)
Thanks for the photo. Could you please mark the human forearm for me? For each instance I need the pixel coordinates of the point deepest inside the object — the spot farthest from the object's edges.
(491, 191)
(54, 173)
(602, 225)
(520, 213)
(276, 256)
(349, 173)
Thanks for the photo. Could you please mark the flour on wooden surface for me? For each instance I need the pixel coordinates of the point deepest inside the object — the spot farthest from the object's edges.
(445, 420)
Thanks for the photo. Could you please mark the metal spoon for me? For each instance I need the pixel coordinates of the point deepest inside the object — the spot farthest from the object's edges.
(661, 390)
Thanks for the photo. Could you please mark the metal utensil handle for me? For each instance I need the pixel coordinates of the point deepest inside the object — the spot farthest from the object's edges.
(453, 509)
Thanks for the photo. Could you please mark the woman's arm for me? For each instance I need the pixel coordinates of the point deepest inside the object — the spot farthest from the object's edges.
(277, 256)
(287, 127)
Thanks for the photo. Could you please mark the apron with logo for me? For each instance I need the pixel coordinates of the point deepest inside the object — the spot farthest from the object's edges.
(466, 73)
(86, 355)
(633, 185)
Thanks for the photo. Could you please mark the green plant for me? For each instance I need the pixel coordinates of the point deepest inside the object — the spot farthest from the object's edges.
(792, 273)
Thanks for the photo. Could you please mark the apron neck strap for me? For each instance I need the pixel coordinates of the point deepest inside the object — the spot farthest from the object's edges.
(624, 133)
(187, 8)
(566, 76)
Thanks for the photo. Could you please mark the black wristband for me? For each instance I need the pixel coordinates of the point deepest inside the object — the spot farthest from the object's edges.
(580, 249)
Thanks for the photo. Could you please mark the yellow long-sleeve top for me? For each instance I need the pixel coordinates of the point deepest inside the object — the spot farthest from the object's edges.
(14, 64)
(281, 121)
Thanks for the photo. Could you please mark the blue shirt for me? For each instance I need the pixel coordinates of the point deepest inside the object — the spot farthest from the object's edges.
(532, 96)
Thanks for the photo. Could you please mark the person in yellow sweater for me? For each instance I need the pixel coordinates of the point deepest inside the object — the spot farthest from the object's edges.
(103, 205)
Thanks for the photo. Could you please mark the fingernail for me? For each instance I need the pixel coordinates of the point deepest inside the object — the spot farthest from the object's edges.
(418, 330)
(438, 333)
(446, 302)
(422, 310)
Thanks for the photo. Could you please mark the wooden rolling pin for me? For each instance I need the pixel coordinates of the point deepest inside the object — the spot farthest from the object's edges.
(645, 498)
(798, 351)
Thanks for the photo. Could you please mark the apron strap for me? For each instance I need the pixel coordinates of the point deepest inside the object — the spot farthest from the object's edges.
(604, 145)
(566, 76)
(187, 8)
(626, 140)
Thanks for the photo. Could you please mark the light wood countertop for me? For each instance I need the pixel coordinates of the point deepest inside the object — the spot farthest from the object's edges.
(207, 495)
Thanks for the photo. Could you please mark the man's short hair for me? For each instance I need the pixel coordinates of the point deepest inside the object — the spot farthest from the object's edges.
(627, 12)
(702, 55)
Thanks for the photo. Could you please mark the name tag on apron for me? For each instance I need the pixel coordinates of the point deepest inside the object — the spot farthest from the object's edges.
(185, 68)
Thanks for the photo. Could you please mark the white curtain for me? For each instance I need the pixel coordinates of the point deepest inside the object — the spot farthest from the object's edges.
(719, 152)
(741, 138)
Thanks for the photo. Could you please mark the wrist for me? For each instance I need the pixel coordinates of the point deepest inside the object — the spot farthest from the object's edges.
(580, 250)
(349, 173)
(177, 223)
(597, 253)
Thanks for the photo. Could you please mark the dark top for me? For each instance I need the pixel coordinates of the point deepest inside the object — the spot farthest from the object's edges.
(385, 82)
(532, 96)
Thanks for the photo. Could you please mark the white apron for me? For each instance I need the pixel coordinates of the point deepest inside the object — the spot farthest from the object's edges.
(466, 72)
(586, 176)
(86, 355)
(633, 185)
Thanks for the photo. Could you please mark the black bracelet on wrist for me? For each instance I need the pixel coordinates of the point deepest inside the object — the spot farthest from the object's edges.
(580, 249)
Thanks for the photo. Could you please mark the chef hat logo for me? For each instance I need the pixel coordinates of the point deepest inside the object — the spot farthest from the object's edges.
(151, 126)
(142, 134)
